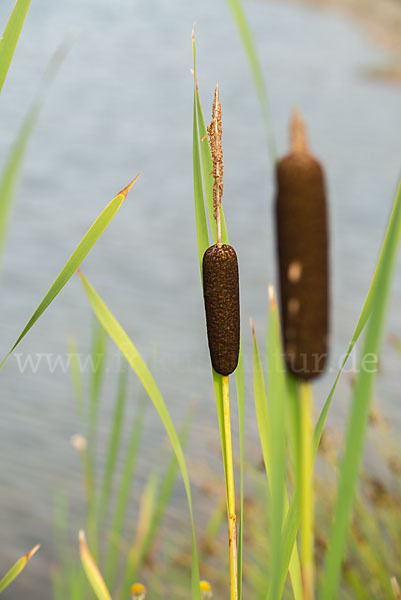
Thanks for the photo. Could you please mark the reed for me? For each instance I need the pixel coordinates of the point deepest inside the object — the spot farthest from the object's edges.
(289, 441)
(221, 295)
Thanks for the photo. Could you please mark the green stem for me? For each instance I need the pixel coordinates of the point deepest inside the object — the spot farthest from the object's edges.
(307, 540)
(232, 519)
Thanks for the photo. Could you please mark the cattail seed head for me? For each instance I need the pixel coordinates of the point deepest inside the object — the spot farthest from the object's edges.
(302, 244)
(221, 295)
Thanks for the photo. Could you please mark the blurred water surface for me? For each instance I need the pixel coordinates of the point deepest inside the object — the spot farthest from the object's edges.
(122, 103)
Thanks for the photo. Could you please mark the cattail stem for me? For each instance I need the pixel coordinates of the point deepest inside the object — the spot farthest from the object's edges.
(307, 538)
(232, 519)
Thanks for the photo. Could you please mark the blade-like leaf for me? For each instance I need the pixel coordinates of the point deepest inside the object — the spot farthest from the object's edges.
(261, 405)
(155, 499)
(9, 40)
(98, 356)
(239, 381)
(263, 416)
(16, 569)
(250, 49)
(92, 572)
(9, 176)
(387, 252)
(137, 550)
(81, 251)
(12, 168)
(114, 444)
(360, 411)
(200, 213)
(77, 383)
(138, 365)
(276, 440)
(123, 492)
(166, 487)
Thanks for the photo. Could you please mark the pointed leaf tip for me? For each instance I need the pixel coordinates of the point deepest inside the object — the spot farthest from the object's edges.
(32, 552)
(252, 326)
(272, 296)
(124, 191)
(395, 588)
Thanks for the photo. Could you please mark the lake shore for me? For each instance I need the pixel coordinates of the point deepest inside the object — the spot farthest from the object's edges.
(382, 23)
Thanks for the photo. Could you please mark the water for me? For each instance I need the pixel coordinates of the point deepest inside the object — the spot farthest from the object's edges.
(122, 103)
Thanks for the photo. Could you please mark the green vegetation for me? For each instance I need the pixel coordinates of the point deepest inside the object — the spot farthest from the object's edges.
(287, 544)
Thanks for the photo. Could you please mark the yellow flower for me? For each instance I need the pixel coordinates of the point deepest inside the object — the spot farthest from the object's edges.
(138, 591)
(206, 590)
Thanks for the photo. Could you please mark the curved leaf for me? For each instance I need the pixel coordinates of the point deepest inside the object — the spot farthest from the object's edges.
(9, 40)
(138, 365)
(81, 251)
(17, 568)
(92, 572)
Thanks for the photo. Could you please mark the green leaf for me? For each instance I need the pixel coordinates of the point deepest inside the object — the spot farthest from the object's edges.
(137, 549)
(387, 253)
(92, 572)
(98, 364)
(155, 499)
(239, 380)
(359, 412)
(250, 49)
(114, 444)
(200, 214)
(276, 440)
(9, 176)
(261, 405)
(123, 492)
(263, 416)
(9, 40)
(138, 365)
(167, 486)
(16, 569)
(12, 168)
(81, 251)
(77, 383)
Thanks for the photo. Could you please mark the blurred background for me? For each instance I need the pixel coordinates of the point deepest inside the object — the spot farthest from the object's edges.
(122, 103)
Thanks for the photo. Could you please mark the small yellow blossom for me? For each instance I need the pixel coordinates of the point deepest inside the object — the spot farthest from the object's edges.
(206, 590)
(138, 591)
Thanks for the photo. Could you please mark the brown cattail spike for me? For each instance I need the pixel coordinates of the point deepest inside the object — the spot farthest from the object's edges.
(221, 294)
(302, 241)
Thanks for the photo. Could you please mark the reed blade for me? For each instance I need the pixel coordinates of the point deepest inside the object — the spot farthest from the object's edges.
(138, 365)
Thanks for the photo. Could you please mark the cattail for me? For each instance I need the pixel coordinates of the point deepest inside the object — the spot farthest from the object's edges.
(302, 242)
(220, 271)
(221, 294)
